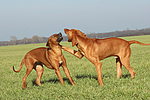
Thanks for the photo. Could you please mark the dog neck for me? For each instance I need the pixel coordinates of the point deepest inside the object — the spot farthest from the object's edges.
(80, 40)
(56, 51)
(55, 48)
(81, 43)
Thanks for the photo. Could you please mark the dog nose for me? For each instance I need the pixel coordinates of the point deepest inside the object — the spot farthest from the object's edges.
(60, 34)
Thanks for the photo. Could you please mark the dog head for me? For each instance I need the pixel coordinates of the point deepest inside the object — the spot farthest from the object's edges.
(54, 39)
(72, 35)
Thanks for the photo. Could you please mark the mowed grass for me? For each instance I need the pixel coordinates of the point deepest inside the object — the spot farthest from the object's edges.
(83, 73)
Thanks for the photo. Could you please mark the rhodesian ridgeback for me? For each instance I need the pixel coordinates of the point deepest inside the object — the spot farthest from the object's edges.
(51, 57)
(96, 50)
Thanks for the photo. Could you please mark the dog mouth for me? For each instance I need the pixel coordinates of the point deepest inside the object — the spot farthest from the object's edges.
(69, 40)
(60, 38)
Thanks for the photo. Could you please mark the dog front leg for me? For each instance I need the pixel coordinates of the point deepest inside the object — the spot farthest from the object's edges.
(68, 74)
(57, 71)
(99, 73)
(98, 65)
(73, 52)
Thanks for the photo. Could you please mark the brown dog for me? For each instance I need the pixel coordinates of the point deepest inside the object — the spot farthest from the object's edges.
(98, 49)
(51, 57)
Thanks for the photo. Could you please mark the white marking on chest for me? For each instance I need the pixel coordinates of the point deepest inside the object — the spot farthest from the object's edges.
(60, 62)
(115, 57)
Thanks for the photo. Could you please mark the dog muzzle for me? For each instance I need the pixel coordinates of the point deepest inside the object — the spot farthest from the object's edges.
(59, 39)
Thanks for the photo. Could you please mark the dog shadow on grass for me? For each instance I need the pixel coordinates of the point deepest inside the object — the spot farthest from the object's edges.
(81, 76)
(126, 76)
(91, 76)
(53, 80)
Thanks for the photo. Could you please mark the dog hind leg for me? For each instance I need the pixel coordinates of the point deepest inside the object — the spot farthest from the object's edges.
(39, 70)
(126, 64)
(118, 67)
(25, 77)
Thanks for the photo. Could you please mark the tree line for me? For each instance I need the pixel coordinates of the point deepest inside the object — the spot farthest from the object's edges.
(124, 33)
(25, 40)
(36, 39)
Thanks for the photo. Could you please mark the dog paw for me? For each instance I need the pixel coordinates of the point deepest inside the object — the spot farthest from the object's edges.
(24, 88)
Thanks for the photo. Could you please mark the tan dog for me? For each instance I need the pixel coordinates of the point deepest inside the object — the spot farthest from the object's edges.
(98, 49)
(51, 57)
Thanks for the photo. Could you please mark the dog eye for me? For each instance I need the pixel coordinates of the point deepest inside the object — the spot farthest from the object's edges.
(53, 36)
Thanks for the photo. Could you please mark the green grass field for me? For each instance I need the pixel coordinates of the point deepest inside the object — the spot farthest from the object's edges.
(83, 73)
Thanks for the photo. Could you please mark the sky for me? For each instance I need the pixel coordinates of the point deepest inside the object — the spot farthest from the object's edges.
(26, 18)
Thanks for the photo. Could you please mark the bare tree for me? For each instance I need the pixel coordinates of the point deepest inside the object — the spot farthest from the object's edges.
(13, 40)
(25, 40)
(35, 39)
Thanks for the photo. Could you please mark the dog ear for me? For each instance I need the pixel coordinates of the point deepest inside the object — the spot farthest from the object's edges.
(47, 44)
(66, 30)
(80, 33)
(74, 39)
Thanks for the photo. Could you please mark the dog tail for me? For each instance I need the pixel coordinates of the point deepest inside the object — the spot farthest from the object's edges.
(20, 67)
(137, 42)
